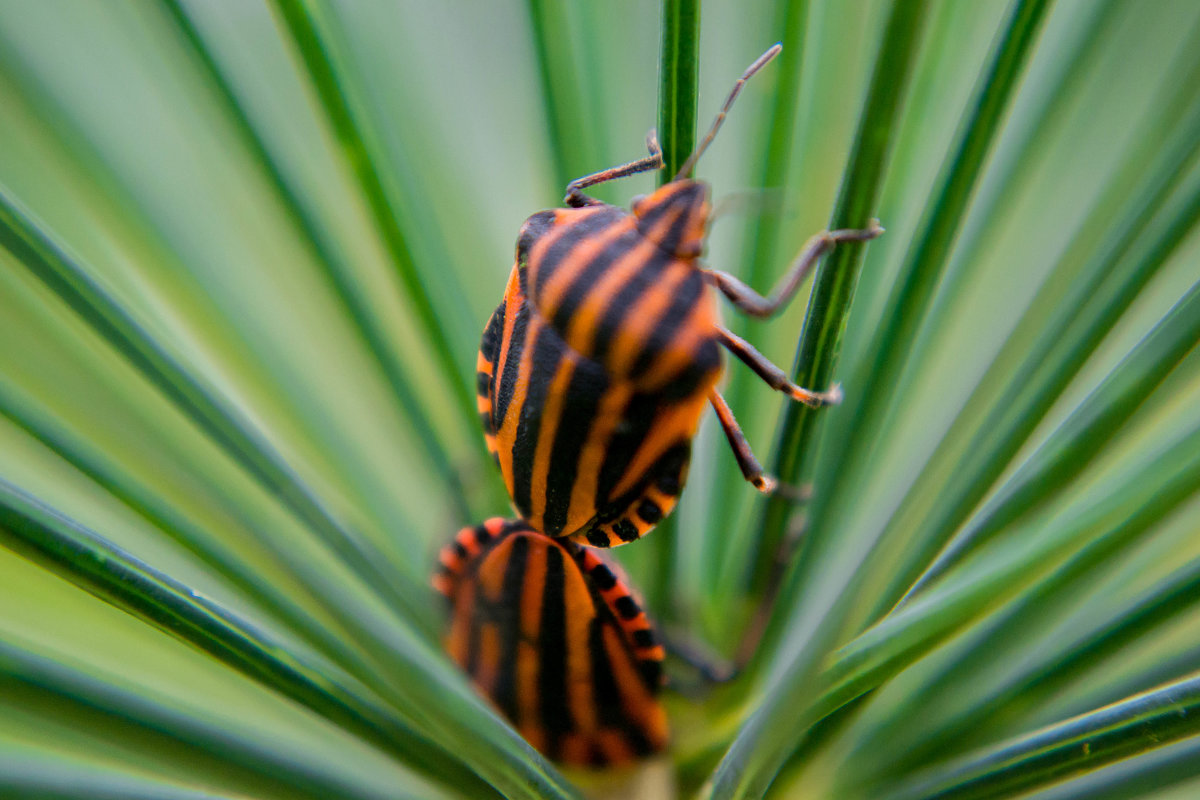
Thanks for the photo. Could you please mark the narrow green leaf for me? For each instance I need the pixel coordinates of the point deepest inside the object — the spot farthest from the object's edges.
(778, 133)
(86, 559)
(174, 524)
(766, 740)
(444, 326)
(339, 274)
(214, 414)
(111, 200)
(1071, 748)
(1021, 579)
(679, 70)
(1052, 672)
(365, 641)
(572, 138)
(678, 74)
(1165, 772)
(175, 200)
(837, 277)
(1162, 604)
(1095, 300)
(924, 263)
(1077, 441)
(22, 671)
(31, 775)
(1016, 172)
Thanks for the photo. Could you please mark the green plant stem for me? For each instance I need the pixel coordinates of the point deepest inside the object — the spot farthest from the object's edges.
(679, 72)
(769, 736)
(919, 276)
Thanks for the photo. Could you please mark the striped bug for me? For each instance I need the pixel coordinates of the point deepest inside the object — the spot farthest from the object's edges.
(596, 366)
(552, 634)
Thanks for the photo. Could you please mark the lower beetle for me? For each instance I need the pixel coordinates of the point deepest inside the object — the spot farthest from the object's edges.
(553, 634)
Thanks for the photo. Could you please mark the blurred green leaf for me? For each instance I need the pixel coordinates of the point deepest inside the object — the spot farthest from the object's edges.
(246, 252)
(1080, 745)
(761, 747)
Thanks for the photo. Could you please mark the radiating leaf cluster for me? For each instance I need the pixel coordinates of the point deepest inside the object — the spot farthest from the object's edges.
(245, 254)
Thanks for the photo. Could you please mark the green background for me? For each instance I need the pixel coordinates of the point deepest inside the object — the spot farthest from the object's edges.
(246, 251)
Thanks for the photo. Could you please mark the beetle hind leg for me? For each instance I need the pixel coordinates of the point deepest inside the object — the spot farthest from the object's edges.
(751, 469)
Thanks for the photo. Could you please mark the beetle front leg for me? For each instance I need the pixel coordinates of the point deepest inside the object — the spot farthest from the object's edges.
(754, 304)
(775, 377)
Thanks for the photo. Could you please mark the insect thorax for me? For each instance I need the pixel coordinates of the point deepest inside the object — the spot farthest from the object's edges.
(617, 297)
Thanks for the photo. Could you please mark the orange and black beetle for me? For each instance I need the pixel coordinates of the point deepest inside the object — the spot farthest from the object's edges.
(553, 634)
(595, 368)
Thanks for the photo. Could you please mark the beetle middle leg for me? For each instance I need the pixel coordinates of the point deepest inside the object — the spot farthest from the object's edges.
(754, 304)
(577, 199)
(775, 377)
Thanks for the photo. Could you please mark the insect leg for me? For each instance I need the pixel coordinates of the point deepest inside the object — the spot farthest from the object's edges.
(707, 665)
(754, 304)
(757, 626)
(577, 199)
(741, 448)
(775, 377)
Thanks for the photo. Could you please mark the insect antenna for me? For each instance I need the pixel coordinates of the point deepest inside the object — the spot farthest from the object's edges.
(759, 63)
